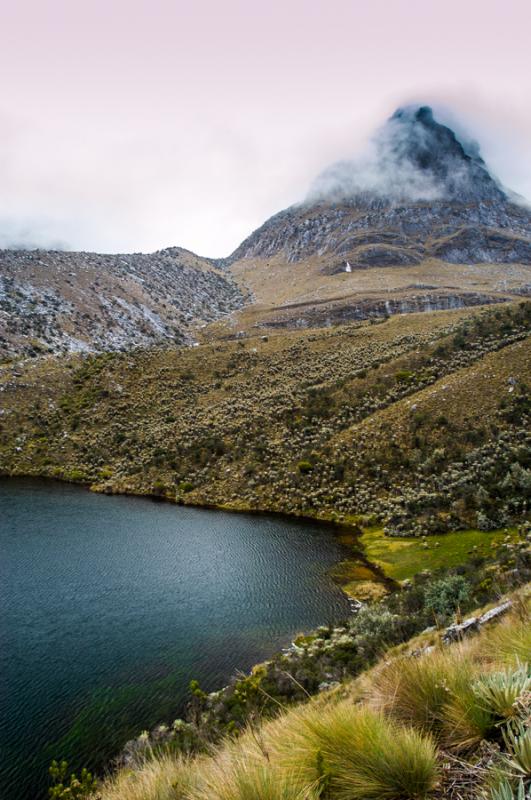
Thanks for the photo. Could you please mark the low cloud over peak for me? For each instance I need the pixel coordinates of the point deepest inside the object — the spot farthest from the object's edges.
(412, 157)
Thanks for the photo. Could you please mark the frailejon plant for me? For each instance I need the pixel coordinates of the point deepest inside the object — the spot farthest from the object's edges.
(505, 791)
(70, 787)
(517, 739)
(502, 693)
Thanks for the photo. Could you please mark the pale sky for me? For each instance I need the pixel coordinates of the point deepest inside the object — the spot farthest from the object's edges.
(130, 125)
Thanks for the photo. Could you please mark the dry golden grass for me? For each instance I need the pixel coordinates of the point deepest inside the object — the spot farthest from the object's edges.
(276, 283)
(163, 778)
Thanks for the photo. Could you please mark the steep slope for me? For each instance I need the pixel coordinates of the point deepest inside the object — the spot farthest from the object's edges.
(428, 720)
(412, 216)
(53, 301)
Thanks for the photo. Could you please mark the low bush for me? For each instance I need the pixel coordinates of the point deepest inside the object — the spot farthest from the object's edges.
(443, 598)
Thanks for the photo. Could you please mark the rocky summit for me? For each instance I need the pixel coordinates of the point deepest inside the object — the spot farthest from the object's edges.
(413, 157)
(410, 218)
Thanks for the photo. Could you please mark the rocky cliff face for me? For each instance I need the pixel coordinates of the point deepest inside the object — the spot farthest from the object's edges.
(52, 302)
(383, 233)
(417, 193)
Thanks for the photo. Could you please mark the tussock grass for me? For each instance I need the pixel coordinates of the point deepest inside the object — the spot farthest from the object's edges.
(248, 779)
(355, 752)
(465, 721)
(509, 644)
(436, 695)
(415, 691)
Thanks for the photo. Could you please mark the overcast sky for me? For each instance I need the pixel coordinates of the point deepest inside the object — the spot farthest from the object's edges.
(130, 125)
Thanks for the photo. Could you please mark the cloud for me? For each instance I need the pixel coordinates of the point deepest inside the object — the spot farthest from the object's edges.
(413, 157)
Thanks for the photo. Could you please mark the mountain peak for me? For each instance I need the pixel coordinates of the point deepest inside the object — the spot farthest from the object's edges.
(413, 157)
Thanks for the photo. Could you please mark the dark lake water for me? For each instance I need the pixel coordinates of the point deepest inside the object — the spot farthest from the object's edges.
(111, 605)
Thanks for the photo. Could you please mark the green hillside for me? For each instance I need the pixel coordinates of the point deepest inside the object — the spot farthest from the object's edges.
(417, 422)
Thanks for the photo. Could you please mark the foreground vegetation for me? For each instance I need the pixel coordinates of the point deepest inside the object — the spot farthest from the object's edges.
(318, 669)
(428, 721)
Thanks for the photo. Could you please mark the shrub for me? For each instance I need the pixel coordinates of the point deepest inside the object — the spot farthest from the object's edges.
(444, 597)
(404, 376)
(304, 467)
(74, 475)
(70, 787)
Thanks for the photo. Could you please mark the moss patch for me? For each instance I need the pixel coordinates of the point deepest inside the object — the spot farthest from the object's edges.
(403, 557)
(366, 591)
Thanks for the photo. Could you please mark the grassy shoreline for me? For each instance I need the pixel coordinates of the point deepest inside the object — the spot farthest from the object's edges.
(373, 564)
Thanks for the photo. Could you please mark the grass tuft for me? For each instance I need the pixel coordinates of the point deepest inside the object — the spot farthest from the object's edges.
(244, 779)
(509, 643)
(163, 778)
(355, 753)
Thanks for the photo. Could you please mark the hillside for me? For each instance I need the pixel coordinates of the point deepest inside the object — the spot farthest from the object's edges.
(59, 302)
(416, 223)
(419, 421)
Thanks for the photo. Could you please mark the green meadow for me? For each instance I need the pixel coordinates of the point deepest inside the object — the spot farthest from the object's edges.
(402, 557)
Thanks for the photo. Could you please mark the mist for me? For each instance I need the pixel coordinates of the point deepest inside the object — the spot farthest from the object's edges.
(415, 156)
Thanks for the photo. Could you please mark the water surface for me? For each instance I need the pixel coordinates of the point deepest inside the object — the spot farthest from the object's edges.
(110, 605)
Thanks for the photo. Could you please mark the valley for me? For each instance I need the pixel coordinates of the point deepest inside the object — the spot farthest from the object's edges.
(361, 359)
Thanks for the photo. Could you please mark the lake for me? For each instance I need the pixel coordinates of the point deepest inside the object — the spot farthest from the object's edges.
(111, 605)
